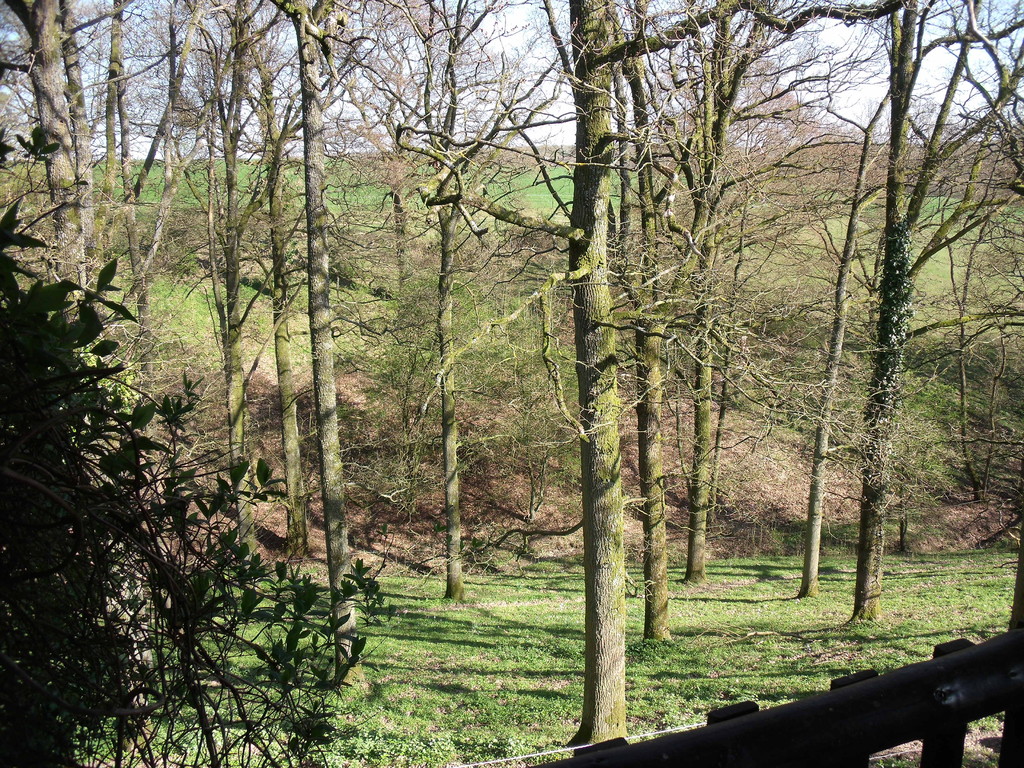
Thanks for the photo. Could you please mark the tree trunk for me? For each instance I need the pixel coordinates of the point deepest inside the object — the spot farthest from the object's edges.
(961, 296)
(321, 314)
(1017, 609)
(298, 527)
(823, 432)
(81, 137)
(892, 330)
(234, 374)
(454, 589)
(880, 419)
(111, 164)
(401, 237)
(652, 483)
(699, 496)
(604, 684)
(650, 370)
(49, 85)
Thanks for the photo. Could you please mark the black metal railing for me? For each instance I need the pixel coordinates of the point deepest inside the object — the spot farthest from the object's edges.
(864, 713)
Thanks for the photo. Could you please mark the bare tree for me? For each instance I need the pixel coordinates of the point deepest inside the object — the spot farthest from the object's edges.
(861, 195)
(912, 172)
(316, 30)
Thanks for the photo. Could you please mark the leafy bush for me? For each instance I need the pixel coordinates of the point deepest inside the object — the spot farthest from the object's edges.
(136, 628)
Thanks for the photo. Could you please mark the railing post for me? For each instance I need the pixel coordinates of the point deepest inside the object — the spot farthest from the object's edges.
(946, 750)
(1011, 754)
(865, 713)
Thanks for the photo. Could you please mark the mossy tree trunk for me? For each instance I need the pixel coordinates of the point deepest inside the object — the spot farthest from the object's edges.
(701, 469)
(42, 21)
(1017, 609)
(895, 293)
(277, 132)
(447, 226)
(321, 316)
(723, 57)
(231, 224)
(604, 684)
(650, 368)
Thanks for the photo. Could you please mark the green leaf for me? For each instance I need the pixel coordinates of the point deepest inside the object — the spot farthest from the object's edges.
(10, 218)
(106, 275)
(104, 348)
(250, 599)
(262, 472)
(142, 415)
(238, 473)
(91, 325)
(47, 298)
(119, 309)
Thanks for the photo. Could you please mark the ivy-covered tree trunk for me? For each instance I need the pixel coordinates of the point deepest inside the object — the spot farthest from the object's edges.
(894, 311)
(604, 684)
(454, 589)
(895, 294)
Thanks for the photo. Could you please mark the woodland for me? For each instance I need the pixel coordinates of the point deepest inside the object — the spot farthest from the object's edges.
(294, 296)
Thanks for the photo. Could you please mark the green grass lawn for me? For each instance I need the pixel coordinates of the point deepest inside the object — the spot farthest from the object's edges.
(501, 675)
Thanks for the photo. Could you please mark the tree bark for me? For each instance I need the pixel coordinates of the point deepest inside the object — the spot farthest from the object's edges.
(81, 137)
(454, 586)
(321, 315)
(809, 586)
(652, 483)
(401, 237)
(699, 496)
(50, 88)
(892, 330)
(106, 211)
(1017, 609)
(298, 526)
(231, 126)
(604, 684)
(650, 368)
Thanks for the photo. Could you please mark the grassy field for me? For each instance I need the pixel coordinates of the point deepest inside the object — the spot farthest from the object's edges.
(501, 675)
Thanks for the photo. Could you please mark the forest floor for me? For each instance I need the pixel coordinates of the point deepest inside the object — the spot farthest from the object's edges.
(500, 675)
